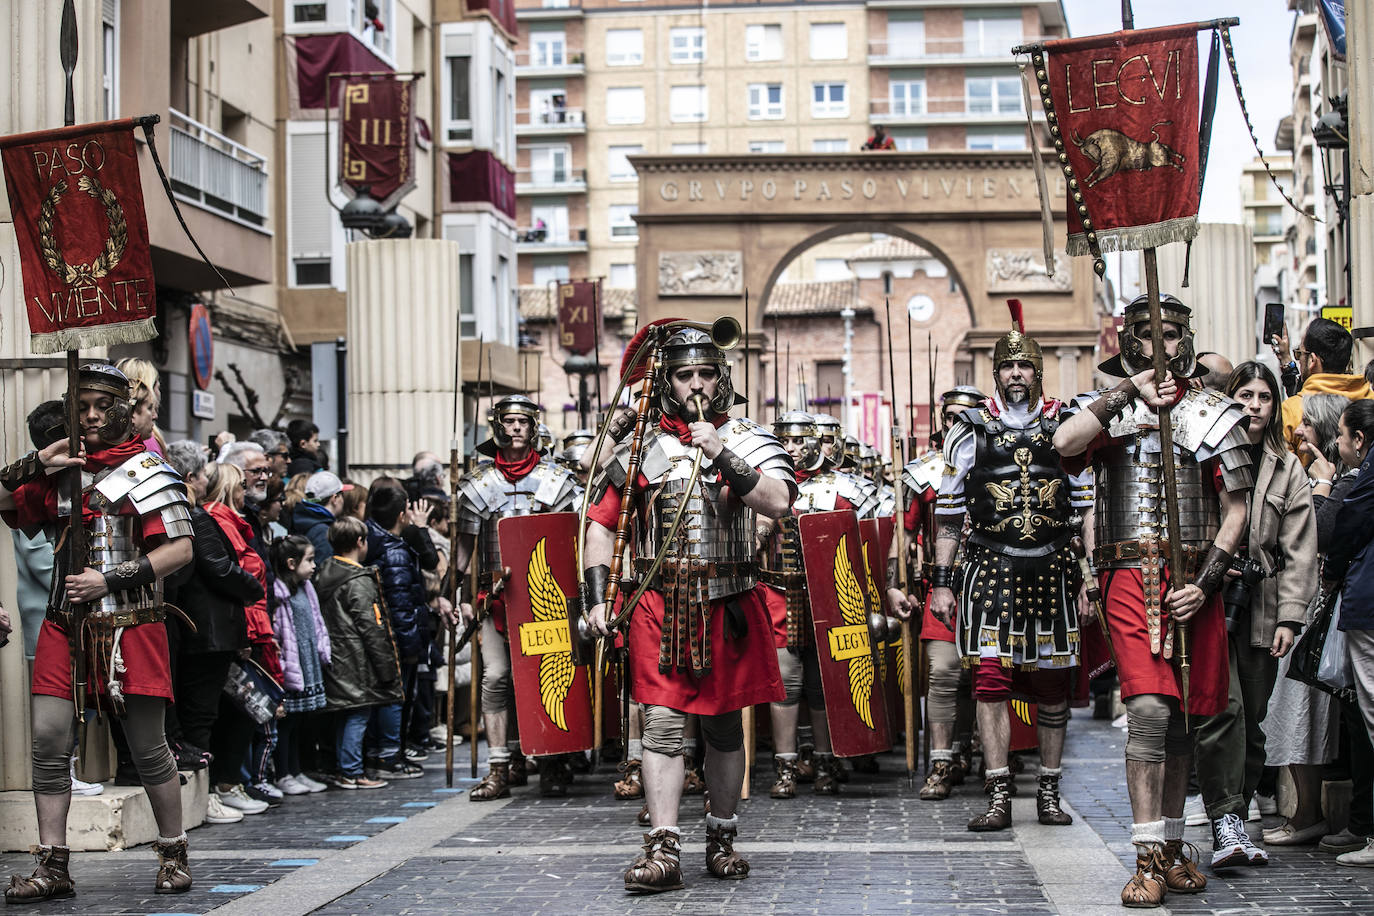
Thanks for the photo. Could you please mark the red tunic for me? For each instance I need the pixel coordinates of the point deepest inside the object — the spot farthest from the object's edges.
(931, 626)
(143, 647)
(744, 672)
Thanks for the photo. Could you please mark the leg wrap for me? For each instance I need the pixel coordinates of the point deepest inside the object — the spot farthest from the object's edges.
(1147, 727)
(143, 726)
(1053, 718)
(1177, 741)
(724, 732)
(496, 686)
(663, 730)
(53, 733)
(790, 666)
(945, 671)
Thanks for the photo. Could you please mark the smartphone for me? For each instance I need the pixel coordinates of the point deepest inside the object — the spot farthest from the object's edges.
(1273, 321)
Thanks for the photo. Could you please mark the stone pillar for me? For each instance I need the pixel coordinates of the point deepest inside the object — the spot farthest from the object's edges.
(1069, 383)
(403, 352)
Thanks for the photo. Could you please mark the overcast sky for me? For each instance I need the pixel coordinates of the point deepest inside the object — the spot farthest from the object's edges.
(1261, 43)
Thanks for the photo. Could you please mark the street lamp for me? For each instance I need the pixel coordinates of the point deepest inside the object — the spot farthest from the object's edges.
(580, 365)
(364, 214)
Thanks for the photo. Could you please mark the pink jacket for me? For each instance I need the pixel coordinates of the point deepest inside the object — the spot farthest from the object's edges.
(286, 633)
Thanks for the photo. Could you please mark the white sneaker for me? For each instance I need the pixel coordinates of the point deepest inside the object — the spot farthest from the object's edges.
(1254, 813)
(1360, 858)
(310, 784)
(80, 786)
(289, 785)
(238, 799)
(266, 788)
(217, 813)
(1268, 804)
(1195, 812)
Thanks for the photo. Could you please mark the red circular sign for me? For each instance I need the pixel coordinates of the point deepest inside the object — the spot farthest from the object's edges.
(202, 346)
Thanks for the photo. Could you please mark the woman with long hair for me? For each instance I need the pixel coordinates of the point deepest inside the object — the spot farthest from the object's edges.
(146, 387)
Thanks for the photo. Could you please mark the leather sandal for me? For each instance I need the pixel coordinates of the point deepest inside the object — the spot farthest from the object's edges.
(50, 879)
(1147, 888)
(939, 783)
(643, 817)
(829, 774)
(173, 871)
(1181, 874)
(518, 774)
(632, 785)
(554, 777)
(785, 786)
(806, 762)
(496, 784)
(692, 781)
(998, 815)
(721, 859)
(1047, 803)
(659, 869)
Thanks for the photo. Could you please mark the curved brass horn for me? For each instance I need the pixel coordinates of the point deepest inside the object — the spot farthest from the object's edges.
(725, 331)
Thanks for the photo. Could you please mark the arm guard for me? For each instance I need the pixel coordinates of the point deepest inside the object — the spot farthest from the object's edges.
(130, 574)
(741, 476)
(1213, 571)
(21, 472)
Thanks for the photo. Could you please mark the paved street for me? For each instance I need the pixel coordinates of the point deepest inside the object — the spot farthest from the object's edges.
(416, 847)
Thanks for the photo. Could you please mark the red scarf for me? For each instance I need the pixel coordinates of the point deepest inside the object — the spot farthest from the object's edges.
(514, 470)
(36, 501)
(680, 428)
(803, 474)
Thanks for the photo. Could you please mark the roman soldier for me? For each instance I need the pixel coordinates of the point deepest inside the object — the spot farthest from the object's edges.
(949, 713)
(700, 639)
(137, 517)
(1116, 431)
(516, 482)
(1018, 582)
(820, 489)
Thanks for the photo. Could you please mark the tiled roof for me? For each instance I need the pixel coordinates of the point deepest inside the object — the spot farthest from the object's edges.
(537, 305)
(817, 298)
(889, 249)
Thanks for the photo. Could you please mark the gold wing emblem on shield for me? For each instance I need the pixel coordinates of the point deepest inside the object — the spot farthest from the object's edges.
(1021, 709)
(876, 604)
(851, 600)
(548, 604)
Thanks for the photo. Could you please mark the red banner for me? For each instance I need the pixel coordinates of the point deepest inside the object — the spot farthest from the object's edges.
(377, 137)
(1126, 105)
(578, 312)
(83, 235)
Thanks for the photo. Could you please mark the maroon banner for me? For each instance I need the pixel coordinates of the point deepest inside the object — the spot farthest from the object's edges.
(479, 176)
(377, 137)
(1126, 105)
(317, 56)
(837, 584)
(83, 235)
(578, 312)
(553, 697)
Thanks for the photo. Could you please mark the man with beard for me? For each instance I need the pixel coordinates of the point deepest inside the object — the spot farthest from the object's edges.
(251, 458)
(1018, 620)
(1117, 432)
(700, 640)
(515, 483)
(138, 523)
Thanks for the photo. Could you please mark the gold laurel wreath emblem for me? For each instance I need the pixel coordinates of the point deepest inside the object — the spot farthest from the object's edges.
(115, 243)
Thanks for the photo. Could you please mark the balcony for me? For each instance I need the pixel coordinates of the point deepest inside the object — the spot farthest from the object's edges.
(551, 181)
(551, 9)
(550, 121)
(549, 62)
(196, 17)
(949, 110)
(940, 52)
(546, 240)
(208, 169)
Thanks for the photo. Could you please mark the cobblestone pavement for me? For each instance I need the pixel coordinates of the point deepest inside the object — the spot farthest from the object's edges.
(416, 847)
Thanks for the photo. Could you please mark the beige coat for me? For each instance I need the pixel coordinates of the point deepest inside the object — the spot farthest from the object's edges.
(1281, 524)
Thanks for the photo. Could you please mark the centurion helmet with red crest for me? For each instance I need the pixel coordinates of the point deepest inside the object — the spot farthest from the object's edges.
(1017, 346)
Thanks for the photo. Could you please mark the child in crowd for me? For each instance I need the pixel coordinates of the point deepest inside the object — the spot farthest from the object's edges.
(305, 652)
(365, 671)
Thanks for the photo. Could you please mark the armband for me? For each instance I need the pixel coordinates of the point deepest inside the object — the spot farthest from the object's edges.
(942, 577)
(740, 474)
(596, 578)
(1113, 402)
(1213, 571)
(130, 574)
(21, 472)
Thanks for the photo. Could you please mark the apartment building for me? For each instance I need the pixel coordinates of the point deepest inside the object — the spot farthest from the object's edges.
(1264, 212)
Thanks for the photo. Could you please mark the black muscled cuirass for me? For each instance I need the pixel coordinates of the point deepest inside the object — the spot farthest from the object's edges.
(1017, 493)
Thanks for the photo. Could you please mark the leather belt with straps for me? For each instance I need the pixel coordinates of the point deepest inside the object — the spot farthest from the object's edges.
(1123, 551)
(717, 569)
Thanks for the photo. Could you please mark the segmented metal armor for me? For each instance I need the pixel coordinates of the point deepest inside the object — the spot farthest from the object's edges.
(485, 497)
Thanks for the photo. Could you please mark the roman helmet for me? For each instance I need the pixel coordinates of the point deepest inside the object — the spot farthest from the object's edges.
(692, 347)
(512, 404)
(962, 396)
(800, 425)
(106, 379)
(832, 436)
(1017, 346)
(849, 460)
(1132, 358)
(546, 440)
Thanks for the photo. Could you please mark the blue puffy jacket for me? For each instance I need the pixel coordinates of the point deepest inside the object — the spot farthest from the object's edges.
(1349, 557)
(403, 587)
(313, 521)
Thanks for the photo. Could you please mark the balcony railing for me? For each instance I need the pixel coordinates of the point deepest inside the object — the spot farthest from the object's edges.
(882, 50)
(953, 108)
(552, 240)
(208, 168)
(550, 179)
(550, 58)
(550, 119)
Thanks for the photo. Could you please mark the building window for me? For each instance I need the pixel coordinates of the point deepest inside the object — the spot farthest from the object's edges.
(551, 270)
(687, 103)
(992, 95)
(623, 225)
(829, 41)
(688, 149)
(458, 125)
(624, 47)
(549, 222)
(310, 218)
(303, 11)
(829, 100)
(467, 302)
(766, 146)
(991, 35)
(998, 140)
(906, 38)
(622, 276)
(765, 101)
(548, 49)
(625, 105)
(620, 168)
(838, 145)
(763, 42)
(109, 60)
(549, 165)
(687, 45)
(910, 141)
(907, 98)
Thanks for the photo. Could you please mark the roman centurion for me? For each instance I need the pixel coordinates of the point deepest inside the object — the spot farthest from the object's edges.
(1152, 608)
(137, 519)
(700, 639)
(1015, 593)
(516, 482)
(820, 489)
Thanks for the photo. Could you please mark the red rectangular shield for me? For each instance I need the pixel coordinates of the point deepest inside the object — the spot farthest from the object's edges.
(837, 583)
(877, 538)
(553, 697)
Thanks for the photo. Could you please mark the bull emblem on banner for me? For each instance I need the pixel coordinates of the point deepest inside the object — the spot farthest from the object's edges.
(1111, 152)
